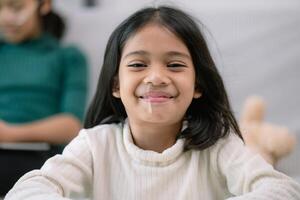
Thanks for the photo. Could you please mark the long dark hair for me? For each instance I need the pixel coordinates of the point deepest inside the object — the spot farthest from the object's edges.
(52, 23)
(209, 117)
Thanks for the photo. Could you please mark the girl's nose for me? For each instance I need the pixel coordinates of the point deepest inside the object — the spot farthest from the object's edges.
(157, 77)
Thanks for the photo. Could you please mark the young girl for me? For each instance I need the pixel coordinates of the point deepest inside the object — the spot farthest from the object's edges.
(160, 126)
(42, 87)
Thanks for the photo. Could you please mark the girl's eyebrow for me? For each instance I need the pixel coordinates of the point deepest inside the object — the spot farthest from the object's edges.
(177, 53)
(170, 53)
(139, 53)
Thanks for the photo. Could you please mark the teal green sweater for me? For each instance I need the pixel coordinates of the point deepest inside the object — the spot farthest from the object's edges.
(39, 78)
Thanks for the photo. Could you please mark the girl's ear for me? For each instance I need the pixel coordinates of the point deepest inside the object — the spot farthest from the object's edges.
(45, 7)
(116, 88)
(197, 92)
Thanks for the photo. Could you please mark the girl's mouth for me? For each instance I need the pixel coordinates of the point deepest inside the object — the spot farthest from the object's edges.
(156, 97)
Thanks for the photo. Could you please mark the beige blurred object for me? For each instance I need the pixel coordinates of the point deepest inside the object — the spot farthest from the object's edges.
(271, 141)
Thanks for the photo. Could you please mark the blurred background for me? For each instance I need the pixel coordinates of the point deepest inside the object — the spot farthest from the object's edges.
(256, 45)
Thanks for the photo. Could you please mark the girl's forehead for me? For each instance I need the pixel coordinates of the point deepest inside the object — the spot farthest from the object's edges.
(154, 36)
(153, 27)
(15, 2)
(11, 1)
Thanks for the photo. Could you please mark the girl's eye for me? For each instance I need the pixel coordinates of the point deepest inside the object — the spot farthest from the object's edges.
(16, 6)
(176, 66)
(137, 65)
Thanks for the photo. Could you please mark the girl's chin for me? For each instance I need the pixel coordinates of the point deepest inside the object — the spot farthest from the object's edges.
(13, 39)
(157, 100)
(159, 117)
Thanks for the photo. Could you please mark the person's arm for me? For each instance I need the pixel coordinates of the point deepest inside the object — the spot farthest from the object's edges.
(249, 176)
(62, 177)
(58, 129)
(62, 127)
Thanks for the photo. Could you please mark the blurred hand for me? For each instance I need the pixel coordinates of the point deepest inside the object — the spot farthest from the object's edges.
(270, 140)
(6, 132)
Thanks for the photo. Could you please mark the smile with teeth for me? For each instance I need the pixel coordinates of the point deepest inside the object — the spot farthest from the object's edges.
(156, 97)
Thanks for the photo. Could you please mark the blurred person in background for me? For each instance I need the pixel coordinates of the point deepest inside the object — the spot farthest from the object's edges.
(43, 86)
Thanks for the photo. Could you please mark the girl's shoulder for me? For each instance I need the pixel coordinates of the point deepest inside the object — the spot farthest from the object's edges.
(230, 140)
(73, 57)
(104, 128)
(68, 51)
(103, 134)
(229, 152)
(225, 146)
(72, 51)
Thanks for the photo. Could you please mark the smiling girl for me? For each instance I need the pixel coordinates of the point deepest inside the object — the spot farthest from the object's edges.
(160, 126)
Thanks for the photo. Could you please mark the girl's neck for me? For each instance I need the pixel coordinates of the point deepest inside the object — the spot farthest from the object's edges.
(154, 137)
(36, 33)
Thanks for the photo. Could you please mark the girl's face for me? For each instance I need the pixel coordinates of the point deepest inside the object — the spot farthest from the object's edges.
(19, 20)
(156, 78)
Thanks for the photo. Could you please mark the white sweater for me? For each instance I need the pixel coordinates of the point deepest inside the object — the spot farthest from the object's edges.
(103, 163)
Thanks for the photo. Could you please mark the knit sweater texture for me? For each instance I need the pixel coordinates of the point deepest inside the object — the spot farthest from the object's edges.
(39, 78)
(104, 163)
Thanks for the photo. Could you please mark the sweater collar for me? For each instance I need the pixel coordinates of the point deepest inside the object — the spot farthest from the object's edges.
(148, 157)
(44, 42)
